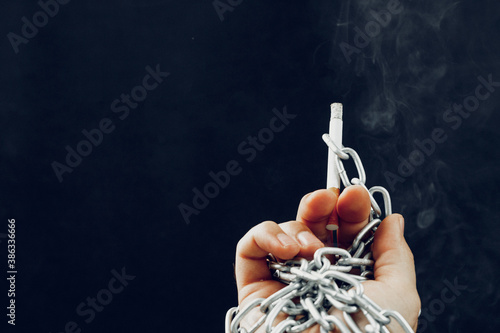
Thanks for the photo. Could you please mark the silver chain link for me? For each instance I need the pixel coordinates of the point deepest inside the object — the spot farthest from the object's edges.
(316, 287)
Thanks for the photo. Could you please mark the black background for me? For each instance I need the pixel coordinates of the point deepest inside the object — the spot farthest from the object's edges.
(119, 207)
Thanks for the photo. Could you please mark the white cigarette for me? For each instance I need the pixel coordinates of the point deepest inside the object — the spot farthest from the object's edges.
(335, 136)
(333, 177)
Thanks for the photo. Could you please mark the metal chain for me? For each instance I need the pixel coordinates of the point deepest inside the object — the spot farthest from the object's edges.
(316, 287)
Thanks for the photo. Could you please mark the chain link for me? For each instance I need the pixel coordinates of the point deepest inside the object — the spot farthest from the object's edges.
(316, 287)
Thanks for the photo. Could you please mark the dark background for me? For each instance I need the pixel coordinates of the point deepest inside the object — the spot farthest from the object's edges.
(119, 207)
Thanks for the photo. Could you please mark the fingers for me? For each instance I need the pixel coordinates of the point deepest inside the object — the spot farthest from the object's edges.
(315, 209)
(285, 241)
(353, 209)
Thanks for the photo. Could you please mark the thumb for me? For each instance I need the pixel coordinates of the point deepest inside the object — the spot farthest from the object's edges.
(395, 268)
(394, 263)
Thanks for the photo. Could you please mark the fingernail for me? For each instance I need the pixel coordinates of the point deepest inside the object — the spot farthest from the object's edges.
(307, 238)
(402, 224)
(285, 240)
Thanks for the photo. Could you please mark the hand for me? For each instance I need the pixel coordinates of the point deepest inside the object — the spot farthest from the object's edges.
(394, 286)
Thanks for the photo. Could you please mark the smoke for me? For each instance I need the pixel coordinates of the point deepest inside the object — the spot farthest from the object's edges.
(397, 88)
(403, 65)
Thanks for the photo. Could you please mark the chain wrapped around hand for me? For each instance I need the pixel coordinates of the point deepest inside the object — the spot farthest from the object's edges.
(316, 287)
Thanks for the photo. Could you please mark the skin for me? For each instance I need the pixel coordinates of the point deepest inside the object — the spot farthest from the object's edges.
(394, 286)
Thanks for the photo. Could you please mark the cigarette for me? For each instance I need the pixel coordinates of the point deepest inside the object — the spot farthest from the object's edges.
(333, 177)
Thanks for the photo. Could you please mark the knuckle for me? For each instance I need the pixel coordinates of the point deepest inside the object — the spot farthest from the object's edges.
(260, 228)
(266, 225)
(291, 224)
(239, 245)
(409, 255)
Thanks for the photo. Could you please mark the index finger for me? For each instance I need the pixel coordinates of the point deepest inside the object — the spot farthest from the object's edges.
(316, 208)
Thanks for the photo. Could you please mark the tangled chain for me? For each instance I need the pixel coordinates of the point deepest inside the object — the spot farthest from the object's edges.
(315, 287)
